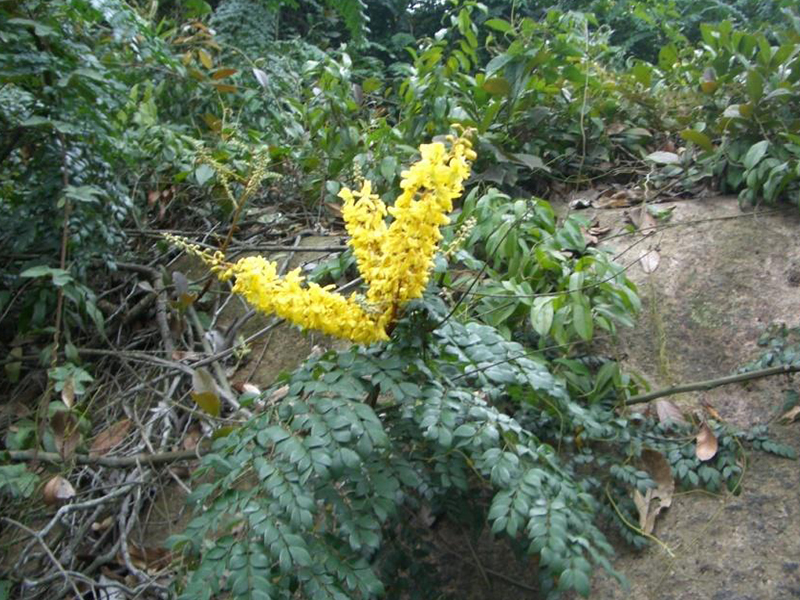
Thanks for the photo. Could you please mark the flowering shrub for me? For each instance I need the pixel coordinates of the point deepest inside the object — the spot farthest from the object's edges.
(394, 260)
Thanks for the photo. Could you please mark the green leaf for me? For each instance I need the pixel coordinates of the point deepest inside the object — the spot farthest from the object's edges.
(542, 315)
(205, 392)
(754, 85)
(497, 86)
(203, 173)
(499, 25)
(17, 481)
(582, 317)
(580, 583)
(389, 167)
(667, 57)
(755, 154)
(5, 589)
(300, 556)
(698, 138)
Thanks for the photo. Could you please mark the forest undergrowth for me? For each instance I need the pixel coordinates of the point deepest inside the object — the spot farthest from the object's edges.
(163, 164)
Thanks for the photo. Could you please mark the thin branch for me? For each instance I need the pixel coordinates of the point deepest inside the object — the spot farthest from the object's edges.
(713, 383)
(117, 462)
(38, 537)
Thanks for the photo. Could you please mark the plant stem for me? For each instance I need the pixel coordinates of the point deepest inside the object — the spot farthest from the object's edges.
(709, 384)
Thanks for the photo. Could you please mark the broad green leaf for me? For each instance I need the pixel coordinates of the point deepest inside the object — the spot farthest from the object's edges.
(755, 85)
(643, 73)
(389, 167)
(755, 154)
(498, 25)
(699, 138)
(582, 317)
(497, 86)
(667, 57)
(542, 315)
(497, 63)
(370, 85)
(203, 173)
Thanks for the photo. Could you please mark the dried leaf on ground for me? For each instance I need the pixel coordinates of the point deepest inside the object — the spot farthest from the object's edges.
(599, 231)
(249, 388)
(110, 437)
(148, 559)
(664, 158)
(181, 355)
(658, 498)
(618, 199)
(205, 392)
(706, 443)
(278, 394)
(791, 415)
(58, 490)
(642, 220)
(104, 524)
(65, 433)
(591, 240)
(712, 412)
(669, 413)
(193, 437)
(649, 260)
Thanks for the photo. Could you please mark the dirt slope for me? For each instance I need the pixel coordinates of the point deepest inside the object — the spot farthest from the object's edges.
(722, 277)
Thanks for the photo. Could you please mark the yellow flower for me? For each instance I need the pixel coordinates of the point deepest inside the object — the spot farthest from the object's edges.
(311, 307)
(395, 261)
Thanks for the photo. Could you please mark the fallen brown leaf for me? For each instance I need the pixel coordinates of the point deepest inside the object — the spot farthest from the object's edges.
(278, 394)
(249, 388)
(109, 438)
(68, 393)
(149, 559)
(658, 498)
(58, 490)
(706, 443)
(599, 231)
(65, 433)
(615, 128)
(649, 260)
(712, 412)
(791, 415)
(669, 413)
(642, 220)
(104, 524)
(618, 199)
(192, 438)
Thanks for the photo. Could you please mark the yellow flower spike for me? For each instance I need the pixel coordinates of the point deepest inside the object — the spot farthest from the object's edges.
(394, 261)
(364, 221)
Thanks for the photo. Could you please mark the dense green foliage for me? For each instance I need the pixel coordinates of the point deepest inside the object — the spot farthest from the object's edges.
(488, 406)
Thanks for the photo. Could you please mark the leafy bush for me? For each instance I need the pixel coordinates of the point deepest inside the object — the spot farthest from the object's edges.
(744, 121)
(542, 281)
(323, 473)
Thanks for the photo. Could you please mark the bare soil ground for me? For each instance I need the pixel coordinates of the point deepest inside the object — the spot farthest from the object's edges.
(723, 276)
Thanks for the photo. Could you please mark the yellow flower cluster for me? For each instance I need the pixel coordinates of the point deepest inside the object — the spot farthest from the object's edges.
(310, 306)
(395, 260)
